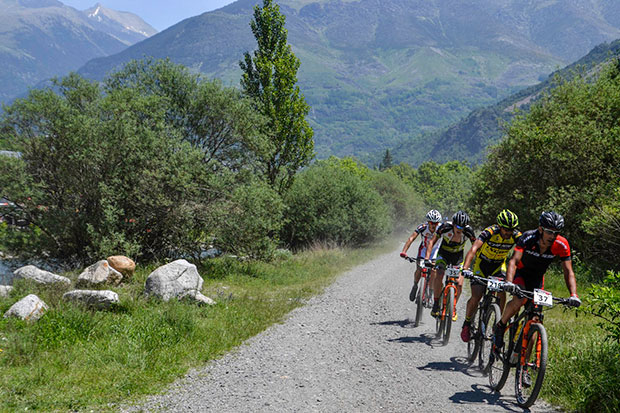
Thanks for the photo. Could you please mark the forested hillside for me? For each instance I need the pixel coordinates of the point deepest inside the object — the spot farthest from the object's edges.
(469, 139)
(377, 73)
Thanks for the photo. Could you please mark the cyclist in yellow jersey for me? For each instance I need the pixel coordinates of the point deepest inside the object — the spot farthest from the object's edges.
(488, 253)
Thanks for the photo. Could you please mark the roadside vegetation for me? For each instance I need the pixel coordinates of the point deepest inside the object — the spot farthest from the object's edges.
(77, 359)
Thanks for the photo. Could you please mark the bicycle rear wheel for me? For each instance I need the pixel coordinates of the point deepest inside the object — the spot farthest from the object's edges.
(447, 319)
(420, 301)
(531, 368)
(487, 325)
(499, 365)
(473, 344)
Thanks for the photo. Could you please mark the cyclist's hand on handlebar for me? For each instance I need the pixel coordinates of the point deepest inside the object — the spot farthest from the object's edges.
(574, 301)
(428, 263)
(467, 274)
(403, 255)
(510, 287)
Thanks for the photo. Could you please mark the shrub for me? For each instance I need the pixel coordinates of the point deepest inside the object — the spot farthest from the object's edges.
(327, 203)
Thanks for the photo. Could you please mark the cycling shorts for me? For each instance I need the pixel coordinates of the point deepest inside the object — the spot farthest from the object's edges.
(528, 282)
(486, 269)
(444, 258)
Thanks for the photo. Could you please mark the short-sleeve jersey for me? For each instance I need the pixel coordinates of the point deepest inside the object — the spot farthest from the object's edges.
(494, 247)
(448, 238)
(533, 262)
(426, 235)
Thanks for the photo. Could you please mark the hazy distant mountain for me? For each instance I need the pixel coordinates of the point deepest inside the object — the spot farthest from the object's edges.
(377, 72)
(469, 138)
(40, 39)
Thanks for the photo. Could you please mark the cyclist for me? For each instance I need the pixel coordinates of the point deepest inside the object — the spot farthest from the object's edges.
(489, 250)
(453, 235)
(533, 254)
(433, 217)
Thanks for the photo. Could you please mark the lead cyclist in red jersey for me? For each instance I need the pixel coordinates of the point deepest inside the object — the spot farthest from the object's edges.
(533, 254)
(426, 231)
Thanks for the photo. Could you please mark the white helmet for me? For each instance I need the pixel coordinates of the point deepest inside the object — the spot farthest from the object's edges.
(433, 216)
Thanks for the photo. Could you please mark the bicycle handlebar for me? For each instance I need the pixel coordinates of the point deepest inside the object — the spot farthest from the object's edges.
(530, 295)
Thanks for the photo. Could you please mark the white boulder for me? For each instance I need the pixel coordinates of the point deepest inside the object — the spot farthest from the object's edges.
(30, 272)
(173, 280)
(5, 290)
(99, 273)
(29, 308)
(97, 299)
(197, 297)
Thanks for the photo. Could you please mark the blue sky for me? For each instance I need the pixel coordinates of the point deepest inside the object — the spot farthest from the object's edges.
(160, 14)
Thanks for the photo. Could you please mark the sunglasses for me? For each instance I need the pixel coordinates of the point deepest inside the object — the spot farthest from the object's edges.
(458, 227)
(551, 231)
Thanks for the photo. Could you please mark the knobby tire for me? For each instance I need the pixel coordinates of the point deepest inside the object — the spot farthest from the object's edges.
(491, 317)
(473, 345)
(420, 302)
(536, 366)
(448, 315)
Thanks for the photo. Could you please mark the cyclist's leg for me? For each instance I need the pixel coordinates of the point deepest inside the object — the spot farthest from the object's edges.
(458, 260)
(438, 284)
(416, 279)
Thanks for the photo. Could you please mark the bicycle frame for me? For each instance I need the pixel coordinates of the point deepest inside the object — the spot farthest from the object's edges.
(450, 284)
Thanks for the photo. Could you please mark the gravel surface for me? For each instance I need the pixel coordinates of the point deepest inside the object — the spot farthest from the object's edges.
(350, 349)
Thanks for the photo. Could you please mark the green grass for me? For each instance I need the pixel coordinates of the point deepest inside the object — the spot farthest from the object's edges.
(76, 359)
(583, 372)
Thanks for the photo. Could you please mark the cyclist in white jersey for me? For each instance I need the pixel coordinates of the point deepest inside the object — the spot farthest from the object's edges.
(426, 231)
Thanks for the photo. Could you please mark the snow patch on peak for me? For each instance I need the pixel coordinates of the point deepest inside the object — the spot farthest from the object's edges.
(97, 8)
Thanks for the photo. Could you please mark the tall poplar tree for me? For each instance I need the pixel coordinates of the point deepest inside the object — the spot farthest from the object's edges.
(270, 77)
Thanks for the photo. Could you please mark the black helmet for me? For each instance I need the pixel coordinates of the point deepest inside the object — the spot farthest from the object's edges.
(507, 219)
(460, 218)
(551, 220)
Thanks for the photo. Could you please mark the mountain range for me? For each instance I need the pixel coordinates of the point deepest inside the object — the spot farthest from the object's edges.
(470, 138)
(40, 39)
(380, 72)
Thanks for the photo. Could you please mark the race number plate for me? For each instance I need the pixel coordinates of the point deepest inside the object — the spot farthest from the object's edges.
(453, 272)
(542, 297)
(494, 284)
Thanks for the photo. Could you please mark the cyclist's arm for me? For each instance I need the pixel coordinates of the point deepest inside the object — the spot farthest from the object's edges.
(470, 255)
(410, 241)
(569, 276)
(429, 247)
(512, 264)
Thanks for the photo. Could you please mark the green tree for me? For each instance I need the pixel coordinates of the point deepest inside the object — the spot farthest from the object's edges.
(270, 77)
(327, 203)
(386, 162)
(563, 155)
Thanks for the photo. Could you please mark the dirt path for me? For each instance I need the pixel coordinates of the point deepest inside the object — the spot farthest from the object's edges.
(351, 349)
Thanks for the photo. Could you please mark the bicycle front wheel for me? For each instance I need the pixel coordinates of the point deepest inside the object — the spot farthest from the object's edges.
(447, 316)
(419, 301)
(485, 335)
(473, 344)
(531, 367)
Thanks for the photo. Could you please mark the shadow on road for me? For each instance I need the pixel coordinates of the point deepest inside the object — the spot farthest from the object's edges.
(483, 394)
(424, 338)
(402, 323)
(458, 364)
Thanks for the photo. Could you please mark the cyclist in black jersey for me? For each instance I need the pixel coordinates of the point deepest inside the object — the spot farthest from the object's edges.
(487, 255)
(534, 252)
(453, 235)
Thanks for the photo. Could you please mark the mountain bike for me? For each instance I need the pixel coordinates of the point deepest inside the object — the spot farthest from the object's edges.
(424, 295)
(443, 324)
(525, 349)
(487, 314)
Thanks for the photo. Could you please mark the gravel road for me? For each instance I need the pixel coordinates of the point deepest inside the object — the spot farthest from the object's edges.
(350, 349)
